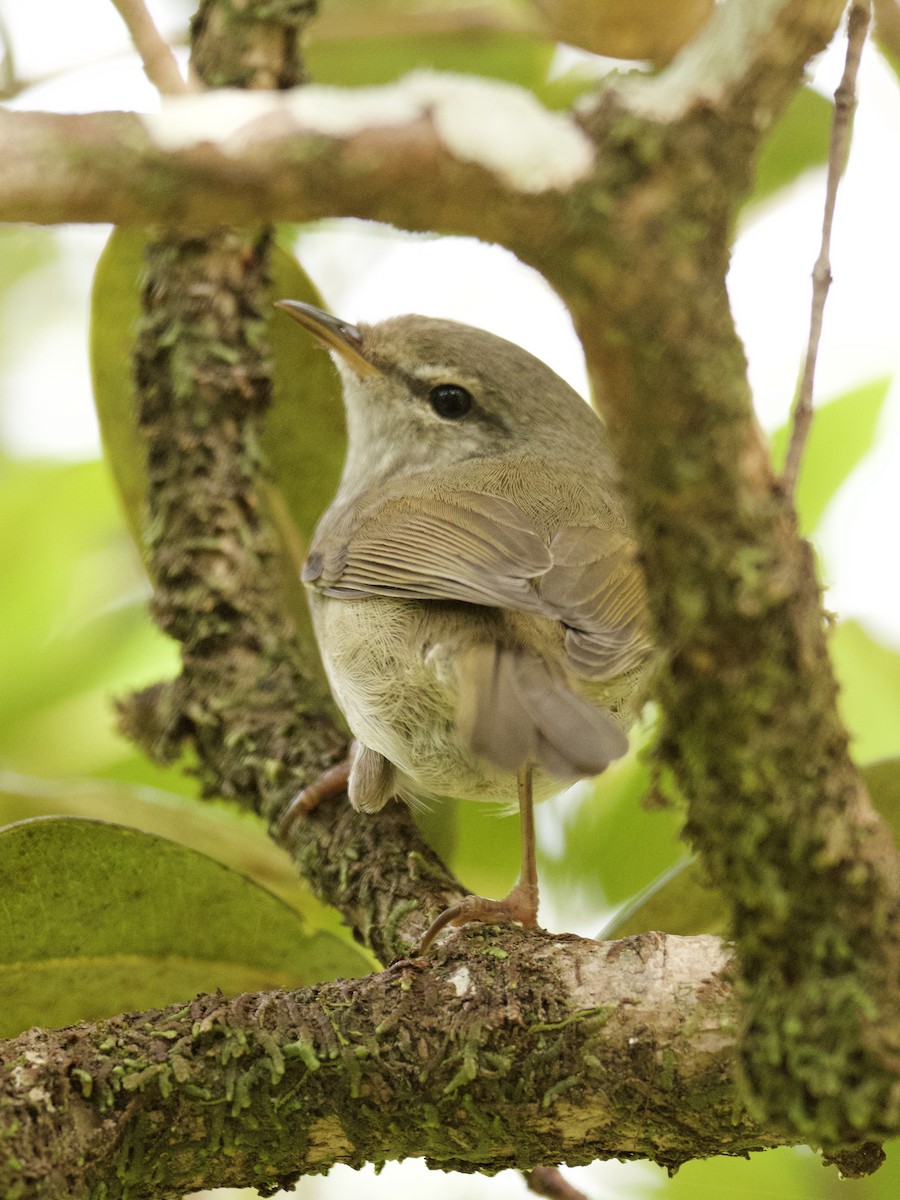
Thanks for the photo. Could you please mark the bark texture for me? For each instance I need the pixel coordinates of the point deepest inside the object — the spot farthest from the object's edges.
(506, 1051)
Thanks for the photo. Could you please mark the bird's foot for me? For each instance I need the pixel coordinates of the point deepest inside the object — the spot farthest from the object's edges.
(328, 784)
(520, 905)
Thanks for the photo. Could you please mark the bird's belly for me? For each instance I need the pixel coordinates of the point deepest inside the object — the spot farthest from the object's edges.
(390, 665)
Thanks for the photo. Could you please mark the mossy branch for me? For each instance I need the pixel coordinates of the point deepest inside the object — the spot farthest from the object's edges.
(507, 1051)
(750, 727)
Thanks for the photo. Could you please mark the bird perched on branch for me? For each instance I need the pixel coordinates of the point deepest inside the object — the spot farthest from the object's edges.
(473, 585)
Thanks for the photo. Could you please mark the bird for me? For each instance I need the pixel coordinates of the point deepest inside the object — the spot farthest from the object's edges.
(474, 585)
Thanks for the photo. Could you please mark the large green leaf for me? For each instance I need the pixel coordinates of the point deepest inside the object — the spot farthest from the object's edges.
(842, 433)
(115, 308)
(98, 919)
(231, 835)
(304, 436)
(786, 1173)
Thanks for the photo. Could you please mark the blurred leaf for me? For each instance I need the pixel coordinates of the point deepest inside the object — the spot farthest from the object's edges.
(612, 845)
(869, 675)
(887, 33)
(72, 624)
(115, 308)
(842, 433)
(495, 54)
(99, 919)
(479, 842)
(677, 901)
(304, 435)
(680, 900)
(798, 141)
(785, 1173)
(631, 29)
(883, 781)
(23, 248)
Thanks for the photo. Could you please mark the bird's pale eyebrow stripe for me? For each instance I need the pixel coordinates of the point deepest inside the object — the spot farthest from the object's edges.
(421, 386)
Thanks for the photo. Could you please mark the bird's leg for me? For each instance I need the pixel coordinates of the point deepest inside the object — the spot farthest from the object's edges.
(323, 787)
(522, 902)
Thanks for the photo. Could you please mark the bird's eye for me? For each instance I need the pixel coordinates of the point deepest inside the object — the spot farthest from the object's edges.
(450, 401)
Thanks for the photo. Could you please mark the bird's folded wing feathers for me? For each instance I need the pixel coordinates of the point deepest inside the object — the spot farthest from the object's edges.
(466, 546)
(595, 588)
(483, 549)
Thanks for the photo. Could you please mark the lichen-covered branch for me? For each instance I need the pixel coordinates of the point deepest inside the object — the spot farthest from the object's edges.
(750, 726)
(508, 1052)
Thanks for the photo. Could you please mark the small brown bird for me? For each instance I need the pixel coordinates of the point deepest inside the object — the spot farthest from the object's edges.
(473, 585)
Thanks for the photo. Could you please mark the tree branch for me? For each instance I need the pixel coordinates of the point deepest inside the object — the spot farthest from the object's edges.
(751, 730)
(234, 158)
(506, 1052)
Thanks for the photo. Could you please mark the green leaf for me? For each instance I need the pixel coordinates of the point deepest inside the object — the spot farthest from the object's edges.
(883, 781)
(115, 308)
(479, 842)
(869, 675)
(230, 835)
(784, 1173)
(99, 919)
(798, 141)
(677, 901)
(304, 436)
(842, 433)
(73, 623)
(369, 61)
(612, 845)
(680, 900)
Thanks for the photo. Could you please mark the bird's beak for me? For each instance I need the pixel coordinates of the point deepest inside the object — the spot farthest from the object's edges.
(331, 333)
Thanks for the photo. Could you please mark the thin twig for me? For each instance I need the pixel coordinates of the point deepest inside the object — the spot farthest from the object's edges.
(156, 54)
(550, 1182)
(844, 106)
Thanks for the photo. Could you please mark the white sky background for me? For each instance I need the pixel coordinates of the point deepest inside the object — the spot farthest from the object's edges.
(366, 273)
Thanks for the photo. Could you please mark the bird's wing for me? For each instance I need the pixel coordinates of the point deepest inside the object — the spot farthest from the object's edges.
(596, 589)
(461, 546)
(483, 549)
